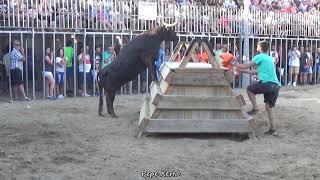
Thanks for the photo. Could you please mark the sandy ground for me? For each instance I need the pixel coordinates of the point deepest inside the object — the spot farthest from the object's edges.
(65, 139)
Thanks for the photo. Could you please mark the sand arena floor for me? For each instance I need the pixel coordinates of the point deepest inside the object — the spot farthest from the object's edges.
(65, 139)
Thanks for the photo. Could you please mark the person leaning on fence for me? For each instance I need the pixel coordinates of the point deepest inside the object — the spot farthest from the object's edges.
(84, 67)
(16, 57)
(50, 83)
(60, 68)
(268, 85)
(294, 65)
(317, 64)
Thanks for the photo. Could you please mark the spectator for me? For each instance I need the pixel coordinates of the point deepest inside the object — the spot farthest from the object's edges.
(50, 82)
(108, 56)
(181, 54)
(167, 55)
(6, 62)
(94, 76)
(229, 4)
(16, 58)
(159, 61)
(317, 64)
(60, 69)
(84, 67)
(304, 68)
(68, 52)
(294, 64)
(202, 56)
(310, 65)
(2, 76)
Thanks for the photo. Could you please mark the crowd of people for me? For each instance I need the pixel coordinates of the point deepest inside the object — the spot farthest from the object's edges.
(299, 66)
(197, 16)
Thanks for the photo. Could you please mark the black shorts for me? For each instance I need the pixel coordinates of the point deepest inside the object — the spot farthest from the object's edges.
(16, 77)
(269, 90)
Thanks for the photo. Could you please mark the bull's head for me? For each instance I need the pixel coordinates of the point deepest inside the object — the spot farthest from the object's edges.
(167, 31)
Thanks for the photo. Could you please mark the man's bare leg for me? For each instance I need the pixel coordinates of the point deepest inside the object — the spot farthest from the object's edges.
(271, 116)
(21, 90)
(253, 100)
(15, 92)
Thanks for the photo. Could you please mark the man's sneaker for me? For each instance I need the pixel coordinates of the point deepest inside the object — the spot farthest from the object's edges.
(253, 111)
(289, 84)
(272, 132)
(294, 84)
(60, 96)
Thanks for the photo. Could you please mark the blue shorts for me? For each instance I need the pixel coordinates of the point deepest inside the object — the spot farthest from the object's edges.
(81, 78)
(69, 72)
(304, 69)
(318, 68)
(60, 78)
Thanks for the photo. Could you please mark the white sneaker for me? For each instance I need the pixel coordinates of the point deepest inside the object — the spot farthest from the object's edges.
(86, 95)
(294, 84)
(289, 84)
(60, 96)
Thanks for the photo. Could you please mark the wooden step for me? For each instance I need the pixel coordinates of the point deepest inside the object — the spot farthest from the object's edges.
(198, 126)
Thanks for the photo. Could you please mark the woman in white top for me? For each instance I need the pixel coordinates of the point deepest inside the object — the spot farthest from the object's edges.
(84, 67)
(60, 67)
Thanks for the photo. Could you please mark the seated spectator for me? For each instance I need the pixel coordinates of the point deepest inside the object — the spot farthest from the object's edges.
(202, 56)
(167, 55)
(60, 69)
(16, 57)
(50, 82)
(84, 67)
(229, 4)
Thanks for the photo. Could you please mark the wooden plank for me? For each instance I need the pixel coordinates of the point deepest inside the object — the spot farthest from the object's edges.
(198, 126)
(165, 87)
(176, 51)
(212, 59)
(164, 71)
(190, 65)
(198, 102)
(144, 113)
(155, 93)
(154, 112)
(241, 100)
(188, 55)
(199, 79)
(230, 76)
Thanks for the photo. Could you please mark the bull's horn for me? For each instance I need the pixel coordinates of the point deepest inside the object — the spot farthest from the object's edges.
(170, 25)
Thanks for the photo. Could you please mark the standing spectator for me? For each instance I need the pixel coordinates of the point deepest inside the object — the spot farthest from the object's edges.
(94, 77)
(60, 67)
(317, 64)
(229, 4)
(68, 52)
(294, 64)
(304, 68)
(98, 55)
(108, 56)
(6, 62)
(167, 55)
(16, 57)
(84, 67)
(50, 83)
(2, 76)
(274, 54)
(309, 64)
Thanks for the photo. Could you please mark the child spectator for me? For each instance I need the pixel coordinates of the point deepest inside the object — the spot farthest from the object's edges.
(94, 76)
(60, 67)
(84, 67)
(50, 83)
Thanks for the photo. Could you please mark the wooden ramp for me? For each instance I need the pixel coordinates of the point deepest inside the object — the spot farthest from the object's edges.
(193, 98)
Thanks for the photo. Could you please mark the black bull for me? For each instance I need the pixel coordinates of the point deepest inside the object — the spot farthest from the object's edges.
(134, 58)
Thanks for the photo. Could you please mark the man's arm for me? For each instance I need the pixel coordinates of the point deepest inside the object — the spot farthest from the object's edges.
(244, 66)
(248, 71)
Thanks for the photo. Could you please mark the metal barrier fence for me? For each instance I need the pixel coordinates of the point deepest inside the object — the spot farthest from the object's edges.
(124, 15)
(35, 44)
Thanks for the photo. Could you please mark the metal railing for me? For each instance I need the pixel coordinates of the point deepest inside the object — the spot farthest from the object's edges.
(35, 43)
(124, 15)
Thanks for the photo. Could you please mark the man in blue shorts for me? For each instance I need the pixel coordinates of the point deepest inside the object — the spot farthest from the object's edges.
(268, 85)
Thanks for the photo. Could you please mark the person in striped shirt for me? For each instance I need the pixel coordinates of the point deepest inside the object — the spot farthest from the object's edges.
(16, 59)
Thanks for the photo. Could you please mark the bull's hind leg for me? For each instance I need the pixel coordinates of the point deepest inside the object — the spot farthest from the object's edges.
(110, 96)
(100, 111)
